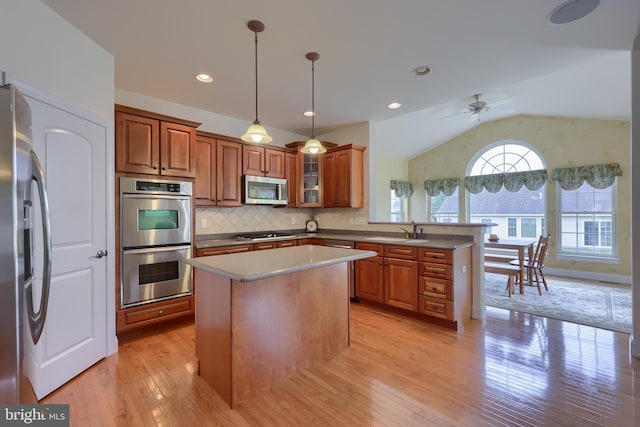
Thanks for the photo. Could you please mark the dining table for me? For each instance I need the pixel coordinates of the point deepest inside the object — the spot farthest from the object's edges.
(519, 246)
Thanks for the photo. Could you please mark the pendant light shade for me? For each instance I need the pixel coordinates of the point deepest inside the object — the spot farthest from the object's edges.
(256, 132)
(313, 146)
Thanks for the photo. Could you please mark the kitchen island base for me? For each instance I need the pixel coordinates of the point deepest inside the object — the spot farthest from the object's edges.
(252, 334)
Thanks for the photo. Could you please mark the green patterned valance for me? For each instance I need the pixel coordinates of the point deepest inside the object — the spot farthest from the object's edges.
(402, 188)
(448, 186)
(512, 181)
(598, 176)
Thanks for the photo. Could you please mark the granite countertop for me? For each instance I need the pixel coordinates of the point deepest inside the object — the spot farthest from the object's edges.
(249, 266)
(439, 242)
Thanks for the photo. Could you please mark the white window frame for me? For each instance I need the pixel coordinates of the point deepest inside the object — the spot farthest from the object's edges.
(582, 257)
(404, 207)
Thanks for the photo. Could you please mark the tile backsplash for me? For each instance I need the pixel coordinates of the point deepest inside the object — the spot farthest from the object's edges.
(248, 218)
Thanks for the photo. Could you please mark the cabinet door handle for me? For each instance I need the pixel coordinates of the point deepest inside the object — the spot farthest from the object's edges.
(154, 167)
(435, 307)
(160, 312)
(164, 168)
(434, 288)
(379, 262)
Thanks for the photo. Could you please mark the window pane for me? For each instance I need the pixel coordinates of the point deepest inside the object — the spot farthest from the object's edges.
(443, 208)
(513, 227)
(528, 227)
(587, 221)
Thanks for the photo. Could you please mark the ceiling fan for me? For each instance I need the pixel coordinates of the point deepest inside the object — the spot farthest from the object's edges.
(475, 108)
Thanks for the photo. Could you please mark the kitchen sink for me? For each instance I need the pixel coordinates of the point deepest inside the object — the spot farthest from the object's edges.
(394, 239)
(388, 239)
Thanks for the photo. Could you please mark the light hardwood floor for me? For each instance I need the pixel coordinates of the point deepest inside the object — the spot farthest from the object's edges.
(519, 369)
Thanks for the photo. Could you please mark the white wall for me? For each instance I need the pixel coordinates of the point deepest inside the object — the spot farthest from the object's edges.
(387, 168)
(43, 51)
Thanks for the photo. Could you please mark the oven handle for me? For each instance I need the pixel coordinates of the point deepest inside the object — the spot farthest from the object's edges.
(159, 249)
(154, 197)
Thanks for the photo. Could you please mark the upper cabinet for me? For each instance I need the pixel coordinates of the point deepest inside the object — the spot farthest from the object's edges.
(343, 178)
(262, 161)
(154, 144)
(310, 172)
(219, 171)
(292, 176)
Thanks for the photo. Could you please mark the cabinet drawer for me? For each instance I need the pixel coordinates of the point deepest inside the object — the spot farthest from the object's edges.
(170, 309)
(436, 307)
(304, 242)
(403, 252)
(440, 256)
(437, 288)
(262, 246)
(223, 250)
(371, 247)
(286, 244)
(441, 271)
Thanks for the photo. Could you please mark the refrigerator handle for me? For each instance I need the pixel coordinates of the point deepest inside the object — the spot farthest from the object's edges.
(37, 318)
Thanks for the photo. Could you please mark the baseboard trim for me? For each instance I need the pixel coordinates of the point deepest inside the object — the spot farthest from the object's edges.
(602, 277)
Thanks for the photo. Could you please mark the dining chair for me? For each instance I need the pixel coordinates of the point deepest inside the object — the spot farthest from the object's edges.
(534, 266)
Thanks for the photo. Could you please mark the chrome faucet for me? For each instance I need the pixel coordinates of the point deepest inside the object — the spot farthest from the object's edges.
(407, 233)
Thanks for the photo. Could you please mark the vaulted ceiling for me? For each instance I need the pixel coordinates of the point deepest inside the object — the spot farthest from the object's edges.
(507, 50)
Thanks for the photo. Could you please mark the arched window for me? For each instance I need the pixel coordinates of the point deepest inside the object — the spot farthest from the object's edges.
(501, 199)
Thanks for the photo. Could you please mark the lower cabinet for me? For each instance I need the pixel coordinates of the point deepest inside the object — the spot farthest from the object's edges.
(432, 283)
(391, 279)
(150, 314)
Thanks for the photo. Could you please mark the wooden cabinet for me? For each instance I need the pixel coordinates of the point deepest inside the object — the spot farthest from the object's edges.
(390, 279)
(370, 279)
(219, 178)
(222, 250)
(154, 144)
(343, 179)
(310, 173)
(150, 314)
(445, 284)
(262, 161)
(292, 176)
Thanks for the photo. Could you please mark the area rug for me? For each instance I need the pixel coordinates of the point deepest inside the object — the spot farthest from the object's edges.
(606, 306)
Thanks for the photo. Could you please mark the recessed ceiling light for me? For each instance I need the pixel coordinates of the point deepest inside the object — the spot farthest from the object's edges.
(309, 113)
(204, 78)
(422, 70)
(394, 105)
(572, 10)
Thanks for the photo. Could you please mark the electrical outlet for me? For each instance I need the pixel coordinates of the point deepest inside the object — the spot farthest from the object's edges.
(464, 268)
(351, 221)
(361, 220)
(203, 223)
(293, 220)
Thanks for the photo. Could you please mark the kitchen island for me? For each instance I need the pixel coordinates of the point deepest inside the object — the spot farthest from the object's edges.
(261, 316)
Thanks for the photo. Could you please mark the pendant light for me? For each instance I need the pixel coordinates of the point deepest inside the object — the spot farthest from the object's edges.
(256, 133)
(313, 146)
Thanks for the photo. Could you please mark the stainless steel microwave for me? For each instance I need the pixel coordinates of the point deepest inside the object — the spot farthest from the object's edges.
(262, 190)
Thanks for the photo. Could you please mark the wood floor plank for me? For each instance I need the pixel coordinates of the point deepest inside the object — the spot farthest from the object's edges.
(519, 369)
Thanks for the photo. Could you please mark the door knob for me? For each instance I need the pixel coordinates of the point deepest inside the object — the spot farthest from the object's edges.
(101, 254)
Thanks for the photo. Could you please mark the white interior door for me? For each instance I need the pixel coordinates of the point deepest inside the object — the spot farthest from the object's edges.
(72, 151)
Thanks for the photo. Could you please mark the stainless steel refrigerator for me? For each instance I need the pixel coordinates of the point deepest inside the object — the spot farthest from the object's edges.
(22, 190)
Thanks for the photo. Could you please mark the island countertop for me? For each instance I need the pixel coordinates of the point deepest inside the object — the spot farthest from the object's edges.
(250, 266)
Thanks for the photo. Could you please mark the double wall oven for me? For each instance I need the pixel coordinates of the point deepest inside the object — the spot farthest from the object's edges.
(155, 218)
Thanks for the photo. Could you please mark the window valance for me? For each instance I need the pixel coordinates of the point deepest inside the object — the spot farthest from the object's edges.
(448, 186)
(402, 188)
(598, 176)
(512, 181)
